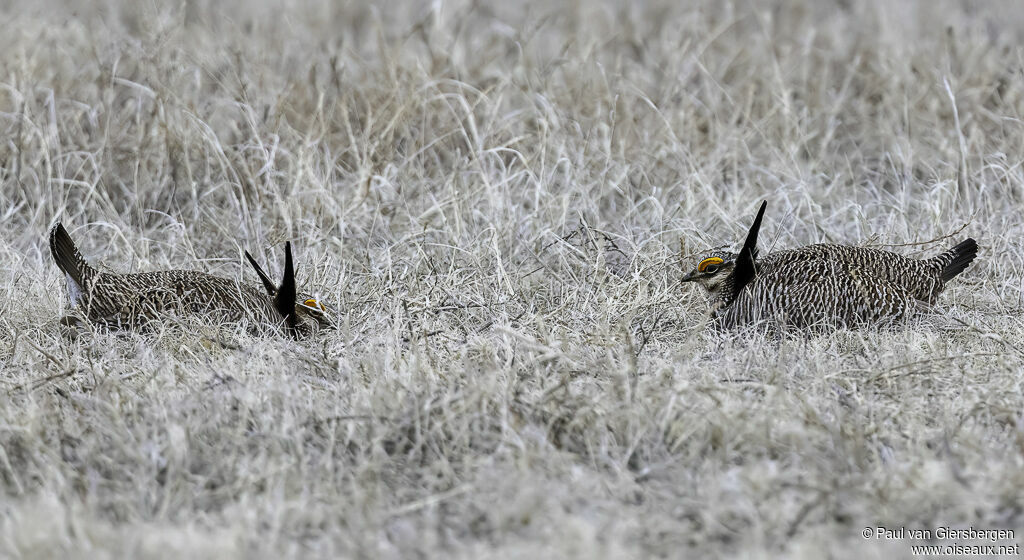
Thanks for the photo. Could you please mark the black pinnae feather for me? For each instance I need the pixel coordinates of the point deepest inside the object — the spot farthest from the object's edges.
(284, 301)
(744, 271)
(268, 284)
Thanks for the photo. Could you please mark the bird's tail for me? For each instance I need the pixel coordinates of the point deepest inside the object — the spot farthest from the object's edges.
(955, 260)
(68, 259)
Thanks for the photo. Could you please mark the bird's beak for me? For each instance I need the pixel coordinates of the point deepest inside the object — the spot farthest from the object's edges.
(689, 277)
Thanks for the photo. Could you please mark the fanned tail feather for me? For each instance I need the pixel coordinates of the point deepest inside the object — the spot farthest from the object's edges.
(70, 261)
(955, 260)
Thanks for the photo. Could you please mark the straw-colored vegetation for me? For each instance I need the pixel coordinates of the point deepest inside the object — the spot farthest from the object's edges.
(499, 198)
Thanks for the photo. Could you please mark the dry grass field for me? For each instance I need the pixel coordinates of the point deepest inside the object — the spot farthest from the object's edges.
(498, 199)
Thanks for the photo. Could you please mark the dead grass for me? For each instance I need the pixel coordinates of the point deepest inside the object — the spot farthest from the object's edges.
(495, 195)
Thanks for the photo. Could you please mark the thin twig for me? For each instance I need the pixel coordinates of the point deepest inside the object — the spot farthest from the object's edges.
(930, 241)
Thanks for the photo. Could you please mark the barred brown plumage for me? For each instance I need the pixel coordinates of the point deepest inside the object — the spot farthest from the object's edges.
(135, 300)
(824, 284)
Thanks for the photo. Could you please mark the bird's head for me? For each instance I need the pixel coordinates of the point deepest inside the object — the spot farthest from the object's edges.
(724, 274)
(302, 314)
(712, 270)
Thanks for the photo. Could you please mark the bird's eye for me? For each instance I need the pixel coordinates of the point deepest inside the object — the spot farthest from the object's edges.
(711, 269)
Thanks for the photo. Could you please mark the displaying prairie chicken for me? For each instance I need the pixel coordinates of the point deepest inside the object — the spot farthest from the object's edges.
(135, 300)
(823, 285)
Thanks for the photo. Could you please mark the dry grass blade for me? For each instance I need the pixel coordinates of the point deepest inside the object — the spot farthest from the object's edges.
(499, 199)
